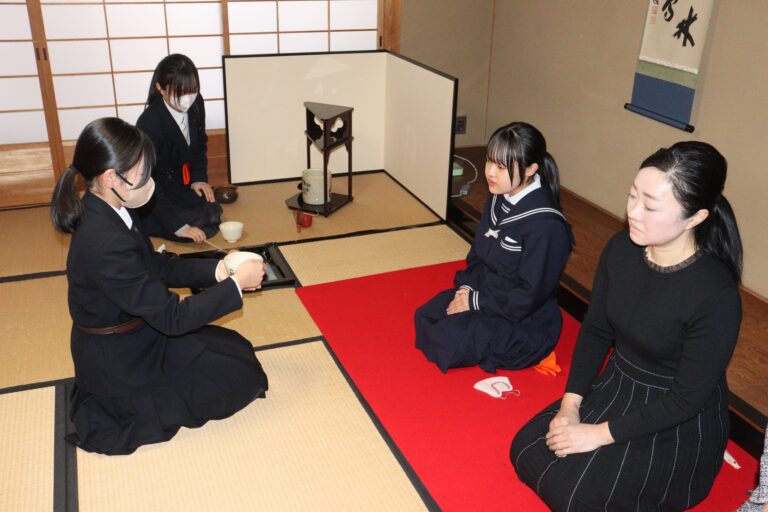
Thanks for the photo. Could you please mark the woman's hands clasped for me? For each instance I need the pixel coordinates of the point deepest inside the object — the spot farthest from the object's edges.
(568, 435)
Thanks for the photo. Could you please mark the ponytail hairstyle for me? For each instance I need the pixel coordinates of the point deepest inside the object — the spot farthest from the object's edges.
(177, 74)
(697, 172)
(522, 144)
(107, 143)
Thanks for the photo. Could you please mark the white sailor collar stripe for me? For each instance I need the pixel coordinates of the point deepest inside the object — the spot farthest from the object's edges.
(523, 215)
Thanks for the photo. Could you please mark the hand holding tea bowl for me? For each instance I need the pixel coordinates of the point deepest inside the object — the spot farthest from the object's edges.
(246, 267)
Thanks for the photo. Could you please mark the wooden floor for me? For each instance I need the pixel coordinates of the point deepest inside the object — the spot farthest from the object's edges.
(592, 228)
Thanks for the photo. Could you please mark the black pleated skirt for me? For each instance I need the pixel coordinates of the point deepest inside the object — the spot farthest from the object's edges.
(668, 471)
(223, 378)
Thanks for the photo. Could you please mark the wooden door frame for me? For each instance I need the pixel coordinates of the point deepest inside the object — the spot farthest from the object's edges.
(389, 25)
(45, 78)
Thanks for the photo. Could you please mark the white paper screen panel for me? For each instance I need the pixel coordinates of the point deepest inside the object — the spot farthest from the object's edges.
(137, 54)
(83, 90)
(204, 51)
(353, 14)
(17, 59)
(74, 21)
(22, 127)
(73, 121)
(266, 115)
(303, 15)
(20, 93)
(419, 113)
(136, 20)
(194, 19)
(78, 56)
(132, 87)
(211, 83)
(129, 113)
(247, 17)
(351, 41)
(304, 42)
(252, 44)
(14, 22)
(214, 115)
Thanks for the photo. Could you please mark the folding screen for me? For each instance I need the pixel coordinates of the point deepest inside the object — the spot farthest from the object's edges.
(402, 119)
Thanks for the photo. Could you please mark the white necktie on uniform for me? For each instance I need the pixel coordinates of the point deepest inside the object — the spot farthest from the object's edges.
(184, 125)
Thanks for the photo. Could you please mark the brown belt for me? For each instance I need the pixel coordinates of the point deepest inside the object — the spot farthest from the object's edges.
(128, 326)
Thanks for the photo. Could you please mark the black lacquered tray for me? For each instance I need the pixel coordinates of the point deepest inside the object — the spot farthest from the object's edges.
(278, 272)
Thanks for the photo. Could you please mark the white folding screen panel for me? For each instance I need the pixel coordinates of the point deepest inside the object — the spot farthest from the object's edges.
(402, 118)
(266, 115)
(418, 136)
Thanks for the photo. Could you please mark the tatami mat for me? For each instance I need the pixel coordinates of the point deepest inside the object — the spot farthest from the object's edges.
(34, 328)
(309, 446)
(345, 258)
(29, 244)
(271, 316)
(26, 449)
(379, 203)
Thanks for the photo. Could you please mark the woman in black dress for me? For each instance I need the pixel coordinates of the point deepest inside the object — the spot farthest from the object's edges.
(146, 363)
(650, 431)
(184, 208)
(502, 311)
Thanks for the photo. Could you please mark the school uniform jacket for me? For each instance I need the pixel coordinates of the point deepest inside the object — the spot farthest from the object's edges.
(114, 276)
(173, 191)
(517, 258)
(512, 274)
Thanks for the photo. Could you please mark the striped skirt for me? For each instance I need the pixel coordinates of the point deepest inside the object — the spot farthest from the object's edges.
(670, 470)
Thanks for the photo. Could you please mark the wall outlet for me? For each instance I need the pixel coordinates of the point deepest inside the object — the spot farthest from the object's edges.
(461, 125)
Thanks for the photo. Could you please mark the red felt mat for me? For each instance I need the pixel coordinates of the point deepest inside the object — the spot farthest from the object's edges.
(455, 438)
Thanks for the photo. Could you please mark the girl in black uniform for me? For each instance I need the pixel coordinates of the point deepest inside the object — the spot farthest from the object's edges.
(648, 434)
(502, 311)
(146, 363)
(184, 208)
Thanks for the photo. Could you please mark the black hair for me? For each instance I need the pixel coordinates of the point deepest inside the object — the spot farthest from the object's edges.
(107, 143)
(522, 144)
(176, 72)
(697, 172)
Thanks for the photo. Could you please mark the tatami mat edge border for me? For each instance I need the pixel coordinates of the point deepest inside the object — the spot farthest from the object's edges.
(35, 275)
(65, 457)
(36, 385)
(424, 493)
(362, 233)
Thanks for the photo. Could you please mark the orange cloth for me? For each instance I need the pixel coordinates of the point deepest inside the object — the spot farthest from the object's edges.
(548, 365)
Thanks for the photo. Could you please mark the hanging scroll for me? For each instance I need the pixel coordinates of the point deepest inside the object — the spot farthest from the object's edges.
(668, 66)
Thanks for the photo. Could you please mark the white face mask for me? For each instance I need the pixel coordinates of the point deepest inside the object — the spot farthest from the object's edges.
(138, 197)
(183, 103)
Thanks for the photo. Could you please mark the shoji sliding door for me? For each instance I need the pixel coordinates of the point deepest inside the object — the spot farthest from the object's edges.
(64, 63)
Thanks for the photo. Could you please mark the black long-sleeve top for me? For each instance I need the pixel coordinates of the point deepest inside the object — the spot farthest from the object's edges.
(682, 324)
